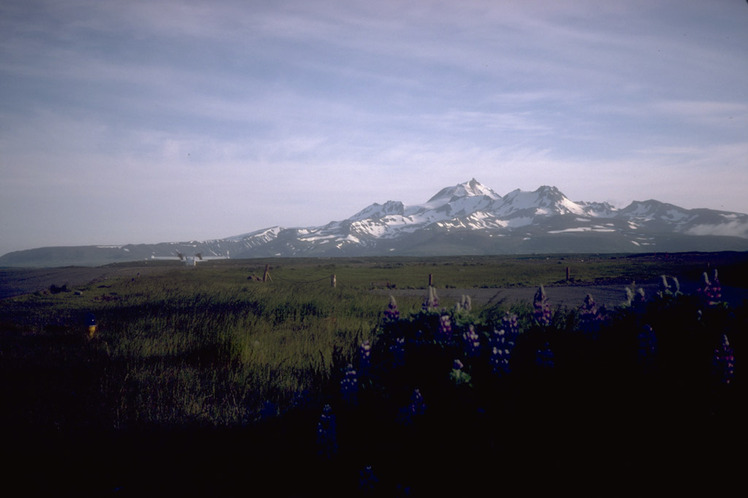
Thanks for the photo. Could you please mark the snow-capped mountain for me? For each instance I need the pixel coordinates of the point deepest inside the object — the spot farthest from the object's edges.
(468, 218)
(471, 218)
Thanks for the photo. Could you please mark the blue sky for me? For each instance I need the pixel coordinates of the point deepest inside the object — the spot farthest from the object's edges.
(150, 121)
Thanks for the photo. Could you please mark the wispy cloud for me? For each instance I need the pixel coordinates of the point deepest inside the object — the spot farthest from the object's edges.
(226, 116)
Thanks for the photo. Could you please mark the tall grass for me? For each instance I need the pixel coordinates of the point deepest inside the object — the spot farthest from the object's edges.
(204, 348)
(207, 346)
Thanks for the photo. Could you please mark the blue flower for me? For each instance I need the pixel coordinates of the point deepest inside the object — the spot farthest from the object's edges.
(327, 433)
(349, 385)
(364, 359)
(397, 350)
(415, 409)
(367, 480)
(647, 346)
(510, 325)
(545, 358)
(502, 344)
(500, 360)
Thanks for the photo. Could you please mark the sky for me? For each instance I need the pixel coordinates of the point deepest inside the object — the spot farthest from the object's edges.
(160, 121)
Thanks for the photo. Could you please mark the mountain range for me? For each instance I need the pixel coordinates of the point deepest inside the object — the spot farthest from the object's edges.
(465, 219)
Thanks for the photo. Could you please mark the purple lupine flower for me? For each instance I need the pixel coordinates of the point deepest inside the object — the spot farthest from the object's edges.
(499, 360)
(417, 404)
(589, 308)
(391, 314)
(268, 410)
(397, 350)
(544, 358)
(711, 290)
(646, 346)
(542, 312)
(589, 316)
(501, 339)
(445, 328)
(327, 433)
(501, 344)
(367, 480)
(349, 385)
(414, 409)
(471, 342)
(510, 324)
(432, 300)
(724, 361)
(364, 359)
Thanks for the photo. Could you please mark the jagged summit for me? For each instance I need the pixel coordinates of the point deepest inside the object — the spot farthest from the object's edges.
(543, 201)
(473, 188)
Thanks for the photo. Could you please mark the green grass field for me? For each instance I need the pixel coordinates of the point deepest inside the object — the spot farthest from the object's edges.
(213, 348)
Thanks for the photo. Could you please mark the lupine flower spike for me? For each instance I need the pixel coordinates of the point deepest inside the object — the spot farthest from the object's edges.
(711, 290)
(391, 314)
(397, 350)
(349, 385)
(545, 358)
(501, 339)
(364, 359)
(414, 410)
(724, 361)
(647, 346)
(445, 328)
(367, 480)
(417, 405)
(471, 342)
(432, 300)
(327, 433)
(542, 311)
(499, 360)
(589, 316)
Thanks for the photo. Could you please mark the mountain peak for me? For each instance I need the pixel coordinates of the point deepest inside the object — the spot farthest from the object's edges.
(549, 190)
(471, 188)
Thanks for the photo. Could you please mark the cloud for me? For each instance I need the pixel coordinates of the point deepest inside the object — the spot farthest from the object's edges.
(734, 228)
(232, 116)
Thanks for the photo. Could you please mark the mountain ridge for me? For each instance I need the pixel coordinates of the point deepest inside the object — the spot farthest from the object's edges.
(467, 218)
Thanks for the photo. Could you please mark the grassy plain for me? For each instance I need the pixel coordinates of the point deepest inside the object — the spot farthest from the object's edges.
(213, 348)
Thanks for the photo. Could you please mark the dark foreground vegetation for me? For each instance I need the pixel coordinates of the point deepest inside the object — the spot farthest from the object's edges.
(206, 381)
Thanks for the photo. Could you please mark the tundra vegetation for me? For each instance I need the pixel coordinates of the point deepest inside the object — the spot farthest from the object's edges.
(209, 377)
